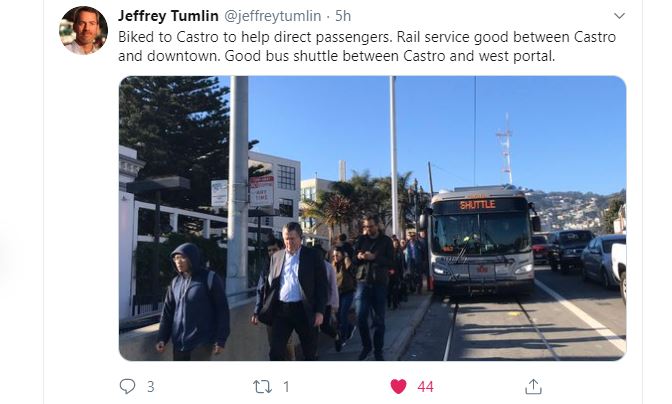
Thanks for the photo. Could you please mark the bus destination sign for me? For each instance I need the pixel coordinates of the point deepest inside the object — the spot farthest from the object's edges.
(478, 204)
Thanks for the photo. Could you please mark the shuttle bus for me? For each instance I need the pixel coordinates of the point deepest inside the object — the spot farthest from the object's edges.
(480, 240)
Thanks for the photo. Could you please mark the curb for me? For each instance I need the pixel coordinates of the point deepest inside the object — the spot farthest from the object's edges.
(401, 343)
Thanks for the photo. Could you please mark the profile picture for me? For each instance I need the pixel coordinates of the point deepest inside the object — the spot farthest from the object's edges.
(83, 30)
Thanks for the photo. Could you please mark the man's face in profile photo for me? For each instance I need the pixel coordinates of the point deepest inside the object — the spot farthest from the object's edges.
(86, 27)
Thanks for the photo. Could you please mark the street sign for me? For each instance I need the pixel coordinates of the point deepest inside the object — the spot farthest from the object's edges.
(261, 191)
(219, 193)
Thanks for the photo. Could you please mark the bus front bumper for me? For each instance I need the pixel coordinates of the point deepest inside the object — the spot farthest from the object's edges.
(469, 288)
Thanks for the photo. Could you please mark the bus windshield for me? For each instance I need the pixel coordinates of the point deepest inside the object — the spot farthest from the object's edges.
(481, 234)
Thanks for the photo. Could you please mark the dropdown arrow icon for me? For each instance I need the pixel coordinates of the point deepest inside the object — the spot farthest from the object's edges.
(619, 16)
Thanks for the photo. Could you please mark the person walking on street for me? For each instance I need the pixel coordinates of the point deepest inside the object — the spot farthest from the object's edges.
(374, 257)
(274, 246)
(347, 284)
(296, 296)
(328, 325)
(414, 262)
(345, 245)
(396, 272)
(405, 273)
(424, 259)
(195, 312)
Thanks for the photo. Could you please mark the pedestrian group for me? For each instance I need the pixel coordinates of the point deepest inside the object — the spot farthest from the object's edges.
(302, 291)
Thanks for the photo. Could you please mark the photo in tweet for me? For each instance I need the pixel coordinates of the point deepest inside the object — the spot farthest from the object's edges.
(470, 264)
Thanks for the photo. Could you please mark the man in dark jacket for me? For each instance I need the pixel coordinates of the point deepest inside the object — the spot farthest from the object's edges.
(195, 311)
(296, 295)
(374, 256)
(273, 247)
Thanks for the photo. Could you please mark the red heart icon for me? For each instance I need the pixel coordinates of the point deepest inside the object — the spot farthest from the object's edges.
(398, 385)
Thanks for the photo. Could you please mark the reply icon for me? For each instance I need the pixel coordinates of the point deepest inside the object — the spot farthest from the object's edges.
(127, 385)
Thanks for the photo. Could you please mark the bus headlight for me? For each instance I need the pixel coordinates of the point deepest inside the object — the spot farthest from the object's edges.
(524, 269)
(439, 271)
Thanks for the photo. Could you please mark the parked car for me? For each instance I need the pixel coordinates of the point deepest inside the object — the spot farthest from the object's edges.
(565, 248)
(618, 259)
(596, 259)
(540, 249)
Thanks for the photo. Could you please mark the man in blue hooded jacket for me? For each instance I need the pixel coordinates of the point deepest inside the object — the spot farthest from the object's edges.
(195, 311)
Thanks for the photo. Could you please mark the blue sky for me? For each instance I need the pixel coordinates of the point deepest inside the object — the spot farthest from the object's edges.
(568, 133)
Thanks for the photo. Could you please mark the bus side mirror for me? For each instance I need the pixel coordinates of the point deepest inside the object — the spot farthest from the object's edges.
(422, 222)
(424, 218)
(536, 224)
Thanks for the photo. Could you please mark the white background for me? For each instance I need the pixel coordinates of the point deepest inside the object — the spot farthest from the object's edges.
(78, 167)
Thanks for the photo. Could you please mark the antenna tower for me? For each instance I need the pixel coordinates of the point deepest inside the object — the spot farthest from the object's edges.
(505, 142)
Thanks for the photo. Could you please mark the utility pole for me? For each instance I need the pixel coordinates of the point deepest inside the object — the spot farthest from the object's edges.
(393, 158)
(236, 257)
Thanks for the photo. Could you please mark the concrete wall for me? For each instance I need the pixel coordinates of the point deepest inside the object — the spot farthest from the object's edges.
(246, 341)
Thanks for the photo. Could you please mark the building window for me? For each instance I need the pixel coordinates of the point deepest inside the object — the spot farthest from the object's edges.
(287, 177)
(286, 207)
(308, 193)
(307, 223)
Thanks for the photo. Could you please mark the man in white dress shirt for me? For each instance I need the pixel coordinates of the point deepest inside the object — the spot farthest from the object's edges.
(297, 295)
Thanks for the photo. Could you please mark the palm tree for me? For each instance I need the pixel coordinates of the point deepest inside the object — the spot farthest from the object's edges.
(347, 191)
(330, 208)
(364, 190)
(405, 204)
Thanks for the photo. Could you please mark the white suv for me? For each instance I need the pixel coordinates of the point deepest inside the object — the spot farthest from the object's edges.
(618, 258)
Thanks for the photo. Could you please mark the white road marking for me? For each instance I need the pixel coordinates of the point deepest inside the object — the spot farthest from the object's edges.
(617, 341)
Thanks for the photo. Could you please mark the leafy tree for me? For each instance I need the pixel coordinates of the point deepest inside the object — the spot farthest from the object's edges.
(346, 202)
(347, 191)
(179, 126)
(611, 214)
(405, 203)
(212, 254)
(368, 194)
(331, 209)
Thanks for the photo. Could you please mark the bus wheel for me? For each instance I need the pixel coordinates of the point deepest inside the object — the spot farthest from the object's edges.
(554, 266)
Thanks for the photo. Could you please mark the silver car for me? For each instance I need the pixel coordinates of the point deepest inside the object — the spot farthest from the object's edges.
(596, 259)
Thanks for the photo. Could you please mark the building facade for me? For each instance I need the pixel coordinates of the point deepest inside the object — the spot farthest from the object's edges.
(313, 230)
(286, 189)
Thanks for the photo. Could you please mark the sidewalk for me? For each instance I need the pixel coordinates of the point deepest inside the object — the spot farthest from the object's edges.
(400, 326)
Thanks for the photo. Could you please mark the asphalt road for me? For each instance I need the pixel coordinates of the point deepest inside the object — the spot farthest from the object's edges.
(564, 319)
